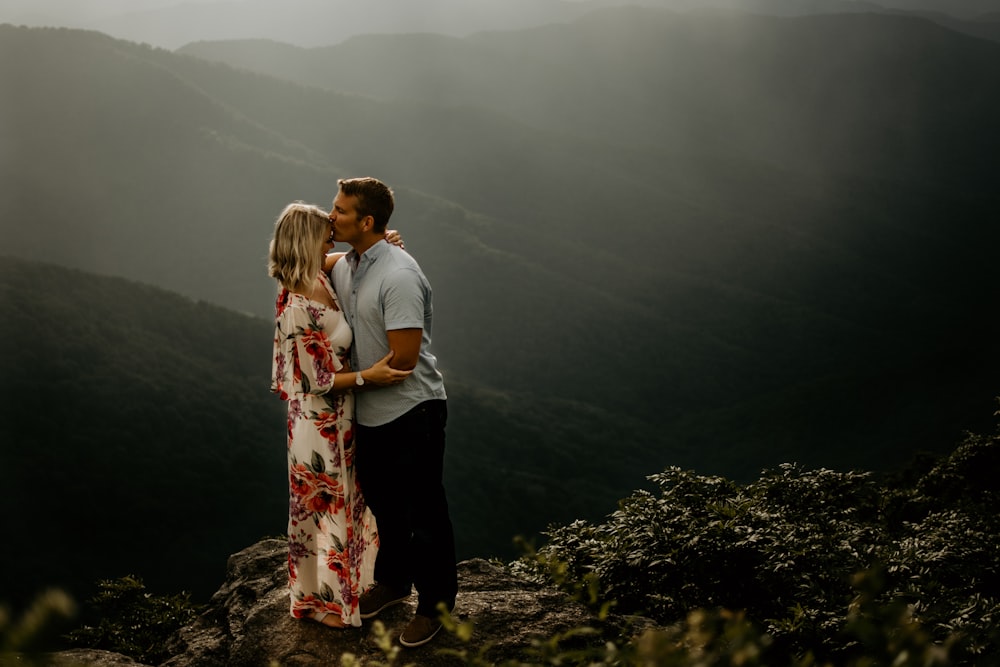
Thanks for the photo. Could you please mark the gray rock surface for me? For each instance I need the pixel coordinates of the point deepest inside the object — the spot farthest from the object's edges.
(246, 622)
(85, 657)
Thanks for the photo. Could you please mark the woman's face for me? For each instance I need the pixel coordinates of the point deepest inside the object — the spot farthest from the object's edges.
(328, 241)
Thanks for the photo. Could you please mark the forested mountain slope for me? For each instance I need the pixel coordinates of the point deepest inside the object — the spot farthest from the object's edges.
(139, 436)
(138, 432)
(877, 95)
(150, 412)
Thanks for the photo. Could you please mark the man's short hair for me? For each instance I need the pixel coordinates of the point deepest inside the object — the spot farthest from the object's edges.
(374, 198)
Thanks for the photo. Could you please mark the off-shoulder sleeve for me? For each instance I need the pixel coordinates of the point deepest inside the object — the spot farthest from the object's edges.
(304, 359)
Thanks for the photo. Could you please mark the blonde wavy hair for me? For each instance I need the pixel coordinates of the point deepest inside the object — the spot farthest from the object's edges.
(295, 256)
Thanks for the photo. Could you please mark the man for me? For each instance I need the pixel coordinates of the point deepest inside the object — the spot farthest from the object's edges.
(400, 429)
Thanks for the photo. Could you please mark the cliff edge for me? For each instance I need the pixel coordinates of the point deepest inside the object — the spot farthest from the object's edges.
(246, 622)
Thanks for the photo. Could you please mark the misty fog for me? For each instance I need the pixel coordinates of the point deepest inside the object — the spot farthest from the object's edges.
(171, 24)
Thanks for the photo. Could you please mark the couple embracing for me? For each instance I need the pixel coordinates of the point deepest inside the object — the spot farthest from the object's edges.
(368, 517)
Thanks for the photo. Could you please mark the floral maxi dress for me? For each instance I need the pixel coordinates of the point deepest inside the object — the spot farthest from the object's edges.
(332, 539)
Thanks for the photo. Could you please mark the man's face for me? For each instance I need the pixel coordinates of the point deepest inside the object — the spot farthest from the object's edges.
(347, 227)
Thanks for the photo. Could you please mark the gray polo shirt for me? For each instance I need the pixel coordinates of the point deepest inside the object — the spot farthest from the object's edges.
(382, 291)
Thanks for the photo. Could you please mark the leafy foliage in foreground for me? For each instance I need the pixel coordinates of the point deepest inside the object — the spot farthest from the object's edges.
(833, 567)
(25, 636)
(134, 622)
(800, 568)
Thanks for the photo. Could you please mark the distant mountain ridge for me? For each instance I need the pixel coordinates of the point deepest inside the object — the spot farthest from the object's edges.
(324, 22)
(692, 84)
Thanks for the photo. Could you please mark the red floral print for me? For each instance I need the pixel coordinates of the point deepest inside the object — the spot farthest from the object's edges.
(332, 539)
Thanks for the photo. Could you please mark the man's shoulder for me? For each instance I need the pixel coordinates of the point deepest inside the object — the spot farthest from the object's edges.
(398, 260)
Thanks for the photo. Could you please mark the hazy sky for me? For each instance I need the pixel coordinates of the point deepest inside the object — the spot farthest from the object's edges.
(91, 7)
(80, 12)
(173, 23)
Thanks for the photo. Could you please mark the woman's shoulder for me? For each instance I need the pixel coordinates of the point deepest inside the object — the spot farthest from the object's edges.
(281, 301)
(289, 301)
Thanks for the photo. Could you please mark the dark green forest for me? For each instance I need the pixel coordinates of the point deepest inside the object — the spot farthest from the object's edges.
(140, 438)
(718, 241)
(139, 435)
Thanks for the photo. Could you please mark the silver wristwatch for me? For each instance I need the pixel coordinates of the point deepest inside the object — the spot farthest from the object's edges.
(359, 380)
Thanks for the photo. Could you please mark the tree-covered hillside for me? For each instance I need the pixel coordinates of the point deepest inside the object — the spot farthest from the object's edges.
(855, 93)
(138, 433)
(139, 436)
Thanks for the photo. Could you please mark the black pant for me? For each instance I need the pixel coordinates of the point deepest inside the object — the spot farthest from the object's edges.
(400, 469)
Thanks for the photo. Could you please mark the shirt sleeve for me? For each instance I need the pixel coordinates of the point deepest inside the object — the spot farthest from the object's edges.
(404, 300)
(304, 352)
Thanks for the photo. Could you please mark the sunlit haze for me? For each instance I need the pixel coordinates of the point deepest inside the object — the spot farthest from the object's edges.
(172, 23)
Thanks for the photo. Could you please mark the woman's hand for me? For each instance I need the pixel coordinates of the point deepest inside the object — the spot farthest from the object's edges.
(392, 236)
(382, 375)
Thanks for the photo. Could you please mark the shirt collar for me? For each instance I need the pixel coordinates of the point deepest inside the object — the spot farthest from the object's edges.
(380, 248)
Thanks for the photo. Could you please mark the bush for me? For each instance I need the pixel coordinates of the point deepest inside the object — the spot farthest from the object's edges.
(831, 566)
(132, 621)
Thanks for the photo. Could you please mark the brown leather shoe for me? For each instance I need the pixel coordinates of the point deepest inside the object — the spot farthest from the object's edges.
(378, 598)
(420, 631)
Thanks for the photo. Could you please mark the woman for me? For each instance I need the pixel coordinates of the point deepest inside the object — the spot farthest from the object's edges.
(331, 537)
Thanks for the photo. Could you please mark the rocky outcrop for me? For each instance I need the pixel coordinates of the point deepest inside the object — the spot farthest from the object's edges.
(247, 622)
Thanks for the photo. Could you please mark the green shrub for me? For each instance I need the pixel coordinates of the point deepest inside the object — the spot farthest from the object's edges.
(132, 621)
(831, 566)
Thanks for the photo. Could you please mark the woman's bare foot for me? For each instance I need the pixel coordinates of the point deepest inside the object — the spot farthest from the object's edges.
(329, 620)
